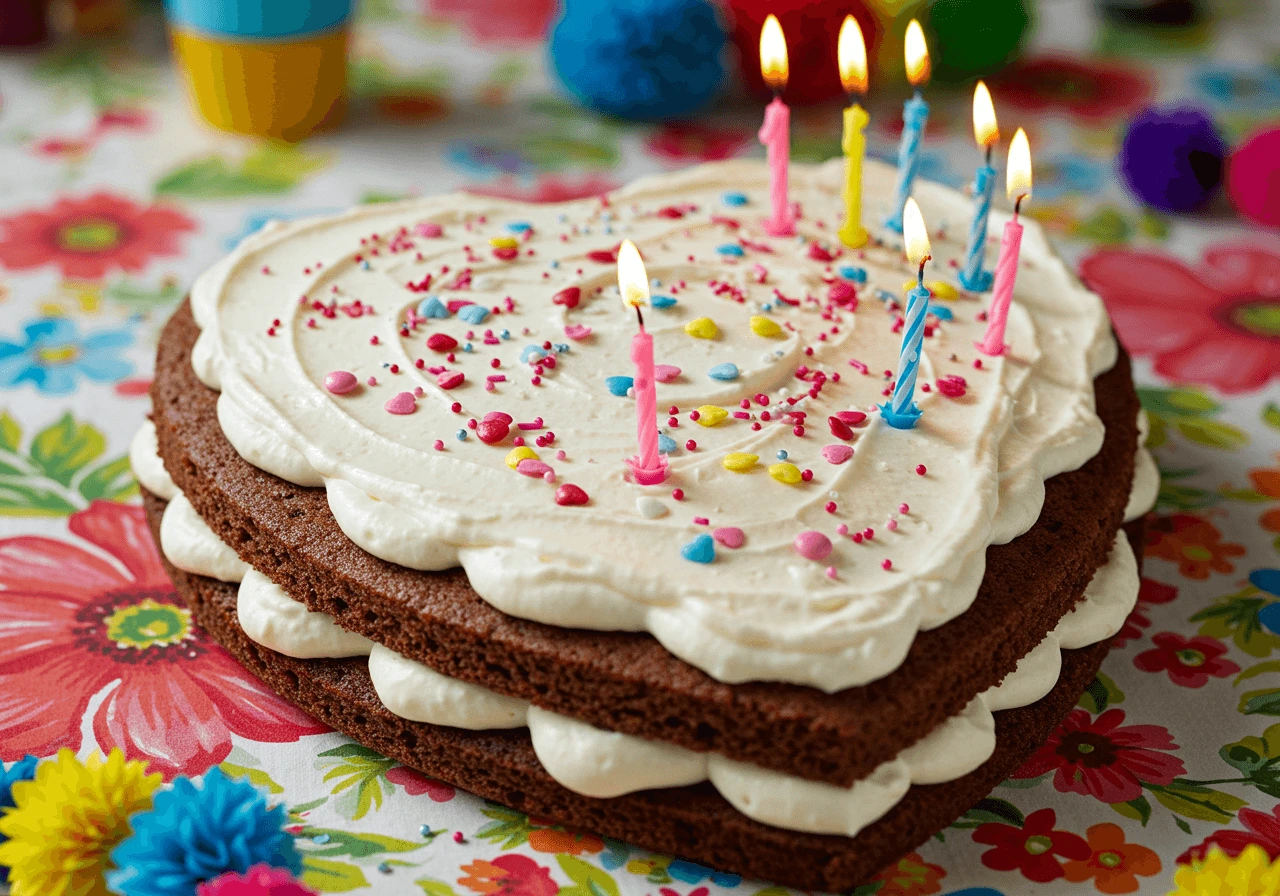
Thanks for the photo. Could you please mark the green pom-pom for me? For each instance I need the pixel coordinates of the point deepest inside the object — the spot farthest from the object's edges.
(973, 38)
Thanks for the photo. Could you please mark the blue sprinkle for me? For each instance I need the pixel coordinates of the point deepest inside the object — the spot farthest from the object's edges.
(662, 301)
(462, 435)
(562, 348)
(655, 283)
(701, 550)
(885, 296)
(432, 307)
(554, 264)
(321, 838)
(734, 198)
(467, 347)
(473, 314)
(857, 275)
(731, 249)
(618, 385)
(384, 867)
(531, 352)
(519, 226)
(608, 228)
(364, 266)
(942, 311)
(425, 830)
(782, 455)
(666, 444)
(767, 306)
(726, 372)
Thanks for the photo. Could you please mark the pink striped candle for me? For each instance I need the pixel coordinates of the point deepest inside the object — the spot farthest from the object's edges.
(1018, 184)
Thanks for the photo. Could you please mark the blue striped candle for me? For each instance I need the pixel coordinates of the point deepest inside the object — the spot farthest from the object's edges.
(972, 275)
(909, 354)
(915, 115)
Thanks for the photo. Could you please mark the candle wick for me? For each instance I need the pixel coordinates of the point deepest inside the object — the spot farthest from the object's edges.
(1017, 205)
(920, 275)
(989, 147)
(640, 318)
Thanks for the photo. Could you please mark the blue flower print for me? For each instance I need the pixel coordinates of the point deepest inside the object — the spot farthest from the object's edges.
(53, 355)
(1070, 173)
(1239, 87)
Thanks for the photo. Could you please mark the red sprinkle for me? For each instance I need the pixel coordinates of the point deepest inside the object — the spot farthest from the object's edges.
(831, 507)
(806, 475)
(568, 297)
(690, 445)
(677, 494)
(570, 495)
(920, 469)
(450, 379)
(441, 342)
(886, 564)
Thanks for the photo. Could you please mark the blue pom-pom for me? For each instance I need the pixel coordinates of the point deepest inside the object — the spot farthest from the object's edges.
(22, 770)
(194, 832)
(640, 59)
(1172, 159)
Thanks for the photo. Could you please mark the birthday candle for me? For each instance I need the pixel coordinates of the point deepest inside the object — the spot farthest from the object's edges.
(648, 467)
(1018, 184)
(986, 132)
(851, 53)
(775, 134)
(900, 411)
(915, 115)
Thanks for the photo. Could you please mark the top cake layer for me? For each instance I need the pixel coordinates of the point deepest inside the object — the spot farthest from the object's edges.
(300, 301)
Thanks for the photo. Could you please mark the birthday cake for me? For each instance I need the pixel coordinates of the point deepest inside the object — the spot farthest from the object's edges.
(396, 466)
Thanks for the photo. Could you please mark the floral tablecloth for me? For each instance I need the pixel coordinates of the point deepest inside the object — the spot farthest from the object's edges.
(112, 199)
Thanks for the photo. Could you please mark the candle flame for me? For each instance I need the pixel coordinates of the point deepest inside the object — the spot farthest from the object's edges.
(773, 54)
(1018, 175)
(917, 52)
(633, 282)
(851, 53)
(917, 235)
(985, 129)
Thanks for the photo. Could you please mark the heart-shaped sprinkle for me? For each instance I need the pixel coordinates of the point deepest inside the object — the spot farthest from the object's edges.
(836, 454)
(577, 332)
(568, 297)
(666, 373)
(651, 508)
(569, 495)
(400, 403)
(441, 342)
(492, 431)
(618, 385)
(450, 379)
(701, 550)
(730, 536)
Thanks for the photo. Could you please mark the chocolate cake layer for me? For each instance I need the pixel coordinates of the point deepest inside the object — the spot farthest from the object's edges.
(628, 682)
(695, 822)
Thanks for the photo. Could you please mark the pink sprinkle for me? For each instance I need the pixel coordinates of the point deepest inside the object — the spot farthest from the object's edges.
(831, 572)
(812, 545)
(534, 469)
(400, 403)
(560, 455)
(457, 836)
(701, 521)
(836, 454)
(904, 508)
(677, 494)
(886, 564)
(450, 379)
(868, 533)
(665, 373)
(439, 445)
(690, 445)
(570, 495)
(730, 536)
(842, 529)
(536, 424)
(577, 332)
(456, 407)
(797, 431)
(340, 382)
(921, 470)
(857, 537)
(441, 342)
(373, 340)
(830, 507)
(892, 525)
(418, 392)
(806, 475)
(549, 476)
(372, 381)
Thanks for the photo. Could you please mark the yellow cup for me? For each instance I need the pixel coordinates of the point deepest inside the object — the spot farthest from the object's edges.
(281, 88)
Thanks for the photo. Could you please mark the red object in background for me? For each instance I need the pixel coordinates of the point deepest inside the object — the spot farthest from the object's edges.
(23, 22)
(810, 27)
(1253, 177)
(1089, 90)
(496, 21)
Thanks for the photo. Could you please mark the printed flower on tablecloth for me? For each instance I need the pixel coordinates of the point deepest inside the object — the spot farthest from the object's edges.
(74, 624)
(1218, 324)
(1192, 542)
(53, 355)
(1151, 593)
(86, 238)
(684, 143)
(1033, 849)
(1114, 865)
(497, 21)
(909, 876)
(551, 837)
(1266, 482)
(1092, 91)
(1190, 662)
(548, 188)
(1242, 87)
(509, 875)
(1261, 828)
(415, 782)
(1103, 759)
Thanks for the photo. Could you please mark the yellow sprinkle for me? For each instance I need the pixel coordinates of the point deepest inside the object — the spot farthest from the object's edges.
(524, 452)
(786, 473)
(504, 242)
(739, 462)
(710, 415)
(764, 326)
(702, 328)
(941, 289)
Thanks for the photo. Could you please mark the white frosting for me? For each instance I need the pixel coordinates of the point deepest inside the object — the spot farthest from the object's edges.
(421, 694)
(192, 546)
(1108, 600)
(757, 613)
(275, 620)
(148, 468)
(1146, 476)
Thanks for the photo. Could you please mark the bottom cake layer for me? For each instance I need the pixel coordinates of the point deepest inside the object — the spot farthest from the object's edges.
(694, 823)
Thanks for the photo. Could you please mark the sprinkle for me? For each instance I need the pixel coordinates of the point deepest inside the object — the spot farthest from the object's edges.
(921, 470)
(577, 332)
(450, 379)
(941, 312)
(504, 242)
(782, 454)
(786, 473)
(666, 444)
(568, 297)
(473, 314)
(812, 545)
(492, 431)
(429, 229)
(522, 453)
(570, 495)
(650, 508)
(461, 435)
(701, 550)
(731, 249)
(441, 342)
(892, 525)
(726, 372)
(839, 428)
(853, 418)
(702, 328)
(690, 445)
(535, 469)
(666, 373)
(734, 199)
(371, 381)
(739, 461)
(438, 445)
(765, 326)
(830, 507)
(432, 307)
(677, 494)
(662, 301)
(400, 403)
(709, 415)
(836, 454)
(730, 536)
(856, 274)
(886, 564)
(340, 382)
(619, 385)
(904, 508)
(457, 836)
(941, 289)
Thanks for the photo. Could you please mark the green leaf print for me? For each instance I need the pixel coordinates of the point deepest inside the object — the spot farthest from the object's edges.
(1260, 703)
(1271, 415)
(990, 809)
(1174, 495)
(10, 433)
(1191, 800)
(332, 877)
(333, 842)
(256, 776)
(107, 76)
(112, 481)
(1258, 759)
(1213, 434)
(137, 297)
(1101, 693)
(508, 829)
(1235, 616)
(56, 475)
(1188, 410)
(361, 776)
(589, 880)
(435, 887)
(270, 169)
(66, 446)
(1138, 809)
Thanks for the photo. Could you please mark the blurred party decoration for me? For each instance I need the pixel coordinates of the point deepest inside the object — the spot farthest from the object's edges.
(1172, 158)
(23, 23)
(1253, 177)
(811, 27)
(974, 38)
(1162, 13)
(269, 69)
(640, 59)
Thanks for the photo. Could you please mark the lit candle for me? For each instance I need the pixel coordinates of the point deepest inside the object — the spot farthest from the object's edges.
(776, 132)
(851, 53)
(1018, 187)
(649, 466)
(900, 410)
(915, 115)
(987, 133)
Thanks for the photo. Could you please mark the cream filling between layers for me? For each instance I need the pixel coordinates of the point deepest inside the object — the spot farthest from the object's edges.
(758, 613)
(604, 764)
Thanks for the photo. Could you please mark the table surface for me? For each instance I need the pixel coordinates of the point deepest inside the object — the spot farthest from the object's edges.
(112, 199)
